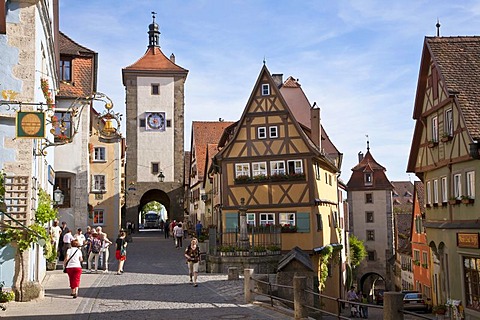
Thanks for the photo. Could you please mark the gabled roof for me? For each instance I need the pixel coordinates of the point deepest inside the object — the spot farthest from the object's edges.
(404, 196)
(69, 47)
(457, 60)
(298, 255)
(368, 164)
(204, 133)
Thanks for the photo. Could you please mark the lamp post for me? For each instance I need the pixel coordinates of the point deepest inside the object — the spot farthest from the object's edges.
(161, 177)
(58, 197)
(242, 210)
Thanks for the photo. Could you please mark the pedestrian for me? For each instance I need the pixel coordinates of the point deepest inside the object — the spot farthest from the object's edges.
(166, 229)
(121, 251)
(178, 232)
(93, 255)
(198, 229)
(364, 309)
(81, 242)
(55, 232)
(352, 297)
(104, 252)
(172, 226)
(73, 266)
(67, 241)
(64, 229)
(192, 253)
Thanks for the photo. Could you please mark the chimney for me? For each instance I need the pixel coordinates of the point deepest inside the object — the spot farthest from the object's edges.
(315, 126)
(360, 156)
(172, 58)
(278, 79)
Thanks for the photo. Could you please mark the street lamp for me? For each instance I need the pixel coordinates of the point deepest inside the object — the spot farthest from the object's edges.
(161, 176)
(58, 197)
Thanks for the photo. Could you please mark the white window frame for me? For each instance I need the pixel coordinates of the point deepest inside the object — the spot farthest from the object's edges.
(366, 175)
(98, 183)
(265, 89)
(444, 189)
(457, 185)
(262, 132)
(251, 219)
(286, 218)
(429, 192)
(297, 166)
(242, 169)
(449, 122)
(470, 176)
(273, 131)
(277, 167)
(267, 218)
(259, 168)
(99, 154)
(101, 214)
(435, 191)
(435, 129)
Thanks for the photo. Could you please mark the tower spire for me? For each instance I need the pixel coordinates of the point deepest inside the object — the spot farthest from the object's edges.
(438, 27)
(153, 33)
(368, 143)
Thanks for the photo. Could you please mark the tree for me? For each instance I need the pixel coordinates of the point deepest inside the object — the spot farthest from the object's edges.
(151, 206)
(357, 251)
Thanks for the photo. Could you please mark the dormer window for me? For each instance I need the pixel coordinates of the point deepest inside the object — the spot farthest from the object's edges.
(368, 178)
(265, 89)
(65, 69)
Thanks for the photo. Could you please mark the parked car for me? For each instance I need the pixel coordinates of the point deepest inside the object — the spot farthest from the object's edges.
(416, 301)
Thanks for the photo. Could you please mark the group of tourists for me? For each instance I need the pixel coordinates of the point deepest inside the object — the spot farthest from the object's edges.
(93, 247)
(356, 310)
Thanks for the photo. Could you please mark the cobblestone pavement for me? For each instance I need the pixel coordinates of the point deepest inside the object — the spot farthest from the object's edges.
(155, 285)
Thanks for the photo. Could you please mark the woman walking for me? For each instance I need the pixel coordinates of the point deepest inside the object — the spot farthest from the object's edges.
(73, 265)
(121, 251)
(192, 253)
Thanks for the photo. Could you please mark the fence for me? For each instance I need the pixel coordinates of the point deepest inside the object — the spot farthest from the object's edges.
(261, 239)
(303, 297)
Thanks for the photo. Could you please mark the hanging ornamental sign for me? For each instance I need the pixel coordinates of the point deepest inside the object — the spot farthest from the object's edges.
(30, 124)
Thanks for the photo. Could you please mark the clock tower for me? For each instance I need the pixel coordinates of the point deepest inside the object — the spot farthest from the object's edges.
(154, 87)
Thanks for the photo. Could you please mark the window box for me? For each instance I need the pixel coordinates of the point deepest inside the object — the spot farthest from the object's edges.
(453, 201)
(287, 228)
(425, 265)
(432, 143)
(467, 200)
(416, 262)
(446, 137)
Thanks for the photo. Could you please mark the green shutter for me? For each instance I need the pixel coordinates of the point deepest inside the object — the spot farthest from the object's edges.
(303, 222)
(231, 221)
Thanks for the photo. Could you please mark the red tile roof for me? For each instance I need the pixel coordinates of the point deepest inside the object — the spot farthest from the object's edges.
(155, 60)
(69, 47)
(368, 164)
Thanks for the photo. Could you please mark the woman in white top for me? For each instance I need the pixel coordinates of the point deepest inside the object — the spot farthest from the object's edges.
(73, 265)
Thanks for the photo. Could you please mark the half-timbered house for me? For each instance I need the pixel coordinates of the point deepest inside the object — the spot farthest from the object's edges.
(444, 155)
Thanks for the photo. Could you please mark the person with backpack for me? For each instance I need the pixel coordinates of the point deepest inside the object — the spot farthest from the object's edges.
(178, 233)
(95, 247)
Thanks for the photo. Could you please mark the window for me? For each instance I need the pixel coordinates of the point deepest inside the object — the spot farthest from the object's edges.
(457, 185)
(277, 167)
(273, 131)
(65, 69)
(262, 133)
(242, 169)
(155, 89)
(424, 258)
(449, 122)
(251, 219)
(98, 217)
(265, 89)
(267, 219)
(98, 183)
(317, 171)
(444, 190)
(416, 255)
(368, 178)
(370, 235)
(142, 123)
(369, 217)
(319, 222)
(62, 126)
(155, 167)
(471, 274)
(287, 218)
(64, 185)
(99, 154)
(259, 169)
(435, 191)
(435, 129)
(429, 192)
(371, 255)
(368, 198)
(294, 166)
(471, 184)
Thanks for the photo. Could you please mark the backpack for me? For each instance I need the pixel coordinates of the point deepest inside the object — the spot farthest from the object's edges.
(96, 246)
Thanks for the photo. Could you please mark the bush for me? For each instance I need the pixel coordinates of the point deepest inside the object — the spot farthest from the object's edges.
(5, 296)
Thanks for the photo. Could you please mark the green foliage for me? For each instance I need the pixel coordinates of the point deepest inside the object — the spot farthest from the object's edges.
(45, 212)
(357, 251)
(2, 186)
(5, 296)
(151, 206)
(49, 252)
(323, 259)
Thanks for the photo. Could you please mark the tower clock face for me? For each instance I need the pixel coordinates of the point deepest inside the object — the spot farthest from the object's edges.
(156, 121)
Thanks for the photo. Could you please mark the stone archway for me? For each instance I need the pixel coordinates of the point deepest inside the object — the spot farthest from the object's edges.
(440, 271)
(372, 283)
(154, 195)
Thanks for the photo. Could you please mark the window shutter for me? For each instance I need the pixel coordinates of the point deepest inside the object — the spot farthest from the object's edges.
(231, 221)
(303, 222)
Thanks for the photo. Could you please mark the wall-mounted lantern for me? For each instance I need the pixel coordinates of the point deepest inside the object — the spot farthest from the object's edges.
(161, 177)
(58, 197)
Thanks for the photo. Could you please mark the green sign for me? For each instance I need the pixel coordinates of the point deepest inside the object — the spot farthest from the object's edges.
(30, 124)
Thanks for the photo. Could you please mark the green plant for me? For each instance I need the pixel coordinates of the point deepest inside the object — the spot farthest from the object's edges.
(49, 252)
(357, 251)
(226, 248)
(416, 262)
(324, 256)
(440, 309)
(45, 212)
(259, 249)
(273, 248)
(5, 296)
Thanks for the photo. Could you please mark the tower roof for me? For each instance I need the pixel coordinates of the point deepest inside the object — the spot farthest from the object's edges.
(379, 178)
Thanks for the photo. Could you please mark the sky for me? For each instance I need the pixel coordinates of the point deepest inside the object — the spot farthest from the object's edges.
(358, 60)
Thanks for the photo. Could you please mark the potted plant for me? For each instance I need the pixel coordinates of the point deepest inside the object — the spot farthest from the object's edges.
(50, 256)
(467, 200)
(446, 137)
(453, 201)
(259, 250)
(432, 143)
(5, 296)
(288, 228)
(440, 309)
(273, 249)
(241, 251)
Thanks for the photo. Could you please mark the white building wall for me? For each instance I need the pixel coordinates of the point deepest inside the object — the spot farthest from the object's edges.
(155, 146)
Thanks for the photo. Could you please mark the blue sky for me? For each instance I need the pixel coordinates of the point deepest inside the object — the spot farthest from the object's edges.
(359, 60)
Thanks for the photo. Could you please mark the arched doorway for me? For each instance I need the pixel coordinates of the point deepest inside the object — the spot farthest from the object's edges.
(373, 284)
(154, 196)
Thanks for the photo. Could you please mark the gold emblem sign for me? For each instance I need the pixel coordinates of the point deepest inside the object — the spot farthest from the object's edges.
(30, 125)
